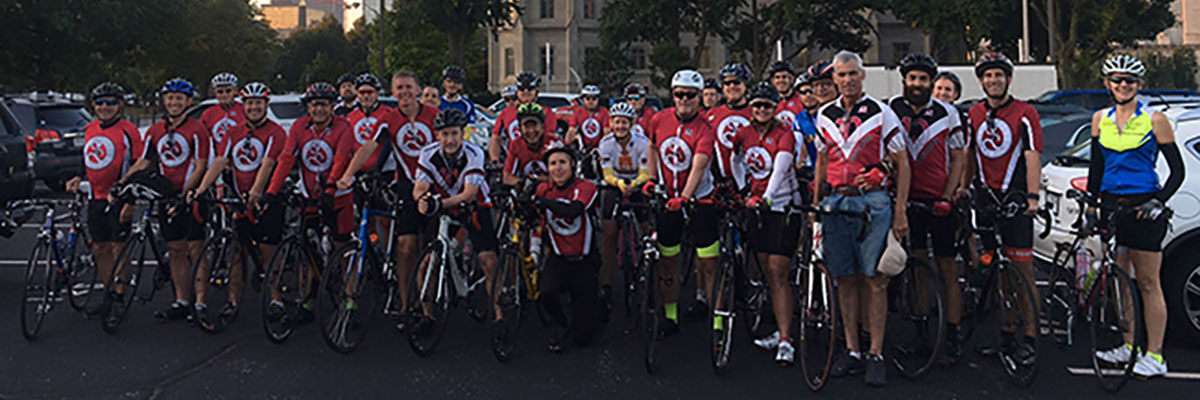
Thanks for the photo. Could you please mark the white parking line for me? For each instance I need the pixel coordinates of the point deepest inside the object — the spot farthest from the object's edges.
(1171, 375)
(21, 263)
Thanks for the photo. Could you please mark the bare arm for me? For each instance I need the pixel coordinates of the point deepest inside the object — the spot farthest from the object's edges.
(212, 174)
(360, 158)
(819, 173)
(958, 164)
(197, 175)
(699, 163)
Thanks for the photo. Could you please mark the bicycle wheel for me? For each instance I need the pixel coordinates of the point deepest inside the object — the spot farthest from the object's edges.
(127, 276)
(1015, 314)
(757, 307)
(818, 326)
(81, 275)
(1115, 313)
(506, 287)
(1059, 303)
(347, 299)
(722, 315)
(214, 270)
(916, 319)
(626, 262)
(38, 295)
(651, 316)
(435, 293)
(289, 280)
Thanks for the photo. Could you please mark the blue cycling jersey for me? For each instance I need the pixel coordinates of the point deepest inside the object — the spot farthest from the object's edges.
(806, 131)
(462, 103)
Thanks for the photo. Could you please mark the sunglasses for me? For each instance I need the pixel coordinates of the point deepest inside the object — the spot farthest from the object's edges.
(1124, 79)
(804, 91)
(106, 102)
(520, 89)
(762, 104)
(224, 91)
(732, 82)
(591, 98)
(686, 95)
(634, 97)
(366, 91)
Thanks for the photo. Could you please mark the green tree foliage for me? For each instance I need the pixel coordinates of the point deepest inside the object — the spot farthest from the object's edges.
(415, 44)
(608, 68)
(956, 26)
(809, 24)
(319, 53)
(460, 21)
(1175, 69)
(1086, 31)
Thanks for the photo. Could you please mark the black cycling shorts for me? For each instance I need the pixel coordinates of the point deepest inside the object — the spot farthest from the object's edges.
(341, 220)
(1133, 232)
(1016, 233)
(185, 224)
(267, 227)
(924, 227)
(480, 228)
(777, 234)
(105, 226)
(610, 199)
(701, 224)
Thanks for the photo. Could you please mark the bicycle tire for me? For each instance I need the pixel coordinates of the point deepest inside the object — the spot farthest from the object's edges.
(1059, 303)
(626, 263)
(215, 268)
(289, 277)
(132, 260)
(1011, 287)
(345, 317)
(506, 287)
(1109, 323)
(722, 306)
(818, 327)
(82, 274)
(38, 290)
(650, 307)
(916, 319)
(424, 339)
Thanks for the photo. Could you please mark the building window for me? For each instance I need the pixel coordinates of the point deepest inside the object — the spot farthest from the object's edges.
(899, 50)
(639, 59)
(547, 9)
(589, 9)
(509, 62)
(546, 68)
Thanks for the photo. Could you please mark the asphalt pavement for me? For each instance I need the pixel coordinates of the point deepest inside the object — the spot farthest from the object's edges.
(73, 358)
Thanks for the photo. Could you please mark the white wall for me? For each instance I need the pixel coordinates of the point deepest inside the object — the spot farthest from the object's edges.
(1029, 81)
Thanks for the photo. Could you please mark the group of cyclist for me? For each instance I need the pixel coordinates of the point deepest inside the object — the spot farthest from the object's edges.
(799, 138)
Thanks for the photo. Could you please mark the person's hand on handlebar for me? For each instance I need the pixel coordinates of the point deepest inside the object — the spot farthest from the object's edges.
(1032, 208)
(429, 204)
(72, 185)
(941, 207)
(756, 202)
(677, 203)
(345, 182)
(648, 188)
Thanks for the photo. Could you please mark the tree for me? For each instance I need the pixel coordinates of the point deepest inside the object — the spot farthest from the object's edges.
(662, 24)
(808, 24)
(319, 53)
(415, 44)
(1083, 32)
(609, 68)
(1175, 69)
(955, 26)
(461, 20)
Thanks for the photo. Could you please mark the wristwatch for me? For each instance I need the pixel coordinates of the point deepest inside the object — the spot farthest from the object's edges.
(1033, 196)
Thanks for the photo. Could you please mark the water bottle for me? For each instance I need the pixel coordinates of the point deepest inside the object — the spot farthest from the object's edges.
(1083, 262)
(535, 246)
(1091, 275)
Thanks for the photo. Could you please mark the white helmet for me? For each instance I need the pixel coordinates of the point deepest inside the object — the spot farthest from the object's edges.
(224, 79)
(509, 91)
(688, 78)
(1122, 63)
(590, 90)
(623, 109)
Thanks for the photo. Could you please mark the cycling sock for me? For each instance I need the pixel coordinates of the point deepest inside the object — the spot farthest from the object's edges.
(1156, 356)
(308, 305)
(671, 311)
(351, 305)
(855, 355)
(277, 303)
(183, 303)
(718, 323)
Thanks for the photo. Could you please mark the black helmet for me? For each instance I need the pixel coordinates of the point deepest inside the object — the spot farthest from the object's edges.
(953, 79)
(345, 78)
(781, 65)
(108, 89)
(993, 60)
(919, 62)
(820, 70)
(368, 79)
(455, 73)
(635, 88)
(802, 79)
(449, 117)
(527, 80)
(763, 91)
(712, 83)
(559, 149)
(736, 70)
(319, 90)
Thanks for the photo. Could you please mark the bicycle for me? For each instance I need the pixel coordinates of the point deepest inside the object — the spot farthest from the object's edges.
(517, 275)
(295, 269)
(442, 282)
(225, 253)
(125, 282)
(58, 263)
(916, 313)
(1100, 290)
(737, 259)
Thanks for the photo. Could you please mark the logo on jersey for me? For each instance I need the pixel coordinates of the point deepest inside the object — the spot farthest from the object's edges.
(412, 137)
(728, 127)
(535, 168)
(365, 129)
(316, 155)
(637, 130)
(591, 128)
(676, 154)
(758, 162)
(787, 116)
(99, 152)
(220, 128)
(514, 130)
(173, 149)
(565, 226)
(995, 138)
(247, 154)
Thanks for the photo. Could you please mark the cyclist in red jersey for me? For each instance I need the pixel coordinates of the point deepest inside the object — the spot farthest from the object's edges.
(1006, 147)
(730, 117)
(110, 145)
(711, 97)
(524, 160)
(572, 264)
(936, 150)
(228, 113)
(635, 95)
(179, 146)
(507, 128)
(590, 119)
(681, 145)
(372, 124)
(768, 146)
(247, 154)
(348, 94)
(783, 77)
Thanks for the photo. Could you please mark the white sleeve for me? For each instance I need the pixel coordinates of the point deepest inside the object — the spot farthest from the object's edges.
(957, 139)
(891, 126)
(784, 162)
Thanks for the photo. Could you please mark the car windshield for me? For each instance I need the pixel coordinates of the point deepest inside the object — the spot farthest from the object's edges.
(63, 119)
(1045, 97)
(288, 110)
(553, 102)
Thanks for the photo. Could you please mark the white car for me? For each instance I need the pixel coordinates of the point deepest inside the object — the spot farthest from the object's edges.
(1181, 270)
(552, 100)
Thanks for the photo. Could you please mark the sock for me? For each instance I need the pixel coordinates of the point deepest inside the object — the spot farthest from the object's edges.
(718, 323)
(277, 303)
(855, 355)
(183, 303)
(670, 309)
(1156, 356)
(351, 305)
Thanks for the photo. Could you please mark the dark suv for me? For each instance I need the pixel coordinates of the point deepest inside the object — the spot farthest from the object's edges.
(15, 176)
(53, 128)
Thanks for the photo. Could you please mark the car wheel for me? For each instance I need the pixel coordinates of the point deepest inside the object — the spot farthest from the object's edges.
(1181, 289)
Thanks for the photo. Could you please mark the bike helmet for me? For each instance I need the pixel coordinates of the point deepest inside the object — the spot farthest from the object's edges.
(590, 90)
(367, 79)
(763, 91)
(919, 62)
(508, 91)
(178, 85)
(319, 90)
(531, 110)
(820, 70)
(623, 109)
(781, 65)
(345, 78)
(455, 73)
(993, 60)
(712, 83)
(953, 79)
(736, 70)
(803, 79)
(688, 79)
(634, 88)
(559, 149)
(527, 80)
(449, 117)
(224, 79)
(256, 90)
(1122, 63)
(108, 89)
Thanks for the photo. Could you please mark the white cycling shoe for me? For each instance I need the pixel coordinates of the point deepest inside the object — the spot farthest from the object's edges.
(1116, 355)
(1150, 365)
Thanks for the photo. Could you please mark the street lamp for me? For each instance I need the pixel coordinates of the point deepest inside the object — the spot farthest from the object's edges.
(381, 12)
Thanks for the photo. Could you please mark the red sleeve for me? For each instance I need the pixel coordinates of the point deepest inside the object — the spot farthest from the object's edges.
(203, 142)
(542, 189)
(278, 141)
(510, 159)
(576, 118)
(287, 157)
(650, 131)
(605, 117)
(707, 137)
(1035, 124)
(148, 140)
(500, 126)
(585, 193)
(343, 154)
(207, 118)
(551, 124)
(787, 142)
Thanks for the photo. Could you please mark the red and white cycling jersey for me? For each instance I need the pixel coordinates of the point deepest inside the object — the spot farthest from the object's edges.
(857, 138)
(677, 143)
(246, 149)
(371, 126)
(788, 109)
(1001, 137)
(323, 156)
(507, 124)
(525, 162)
(569, 236)
(218, 121)
(932, 134)
(770, 162)
(726, 121)
(448, 176)
(109, 151)
(643, 121)
(412, 135)
(590, 125)
(176, 148)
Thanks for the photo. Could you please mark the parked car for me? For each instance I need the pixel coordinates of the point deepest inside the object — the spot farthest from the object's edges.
(1093, 99)
(1181, 265)
(52, 125)
(551, 100)
(284, 109)
(15, 164)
